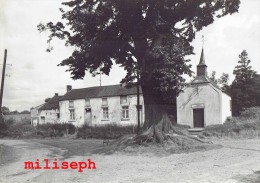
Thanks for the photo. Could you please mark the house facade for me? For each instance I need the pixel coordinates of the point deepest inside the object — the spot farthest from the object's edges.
(202, 102)
(35, 117)
(101, 105)
(47, 112)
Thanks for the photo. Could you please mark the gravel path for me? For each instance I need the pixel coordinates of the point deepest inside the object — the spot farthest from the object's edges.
(235, 162)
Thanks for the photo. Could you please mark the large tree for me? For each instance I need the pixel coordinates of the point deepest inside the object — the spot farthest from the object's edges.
(149, 38)
(243, 92)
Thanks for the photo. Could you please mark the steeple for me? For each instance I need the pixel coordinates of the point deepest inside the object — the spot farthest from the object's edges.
(202, 67)
(202, 58)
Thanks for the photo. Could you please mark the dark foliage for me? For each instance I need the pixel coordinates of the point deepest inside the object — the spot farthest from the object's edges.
(105, 132)
(24, 129)
(243, 87)
(156, 33)
(150, 39)
(55, 130)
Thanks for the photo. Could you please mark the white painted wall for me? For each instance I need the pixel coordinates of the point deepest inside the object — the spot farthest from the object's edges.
(35, 115)
(226, 107)
(50, 116)
(114, 108)
(207, 96)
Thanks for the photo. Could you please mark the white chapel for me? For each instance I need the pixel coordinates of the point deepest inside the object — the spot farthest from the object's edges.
(202, 102)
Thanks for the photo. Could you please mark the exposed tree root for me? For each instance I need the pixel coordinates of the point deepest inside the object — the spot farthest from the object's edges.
(162, 132)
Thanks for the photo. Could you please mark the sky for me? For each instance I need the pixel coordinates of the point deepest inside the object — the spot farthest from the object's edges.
(34, 74)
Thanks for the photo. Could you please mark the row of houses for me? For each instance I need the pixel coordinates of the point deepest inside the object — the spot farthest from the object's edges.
(201, 103)
(100, 105)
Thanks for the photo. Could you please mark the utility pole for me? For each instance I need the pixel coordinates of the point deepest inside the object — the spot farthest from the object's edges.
(2, 88)
(3, 81)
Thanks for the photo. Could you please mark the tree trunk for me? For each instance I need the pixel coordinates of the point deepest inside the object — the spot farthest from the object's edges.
(157, 122)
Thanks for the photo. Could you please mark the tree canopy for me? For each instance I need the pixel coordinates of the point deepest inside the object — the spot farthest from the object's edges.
(150, 39)
(243, 92)
(147, 36)
(222, 81)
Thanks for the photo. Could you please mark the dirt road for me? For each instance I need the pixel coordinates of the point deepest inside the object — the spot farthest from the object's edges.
(238, 161)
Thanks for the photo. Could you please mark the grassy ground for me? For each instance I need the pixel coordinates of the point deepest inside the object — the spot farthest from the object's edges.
(8, 154)
(247, 125)
(252, 178)
(73, 147)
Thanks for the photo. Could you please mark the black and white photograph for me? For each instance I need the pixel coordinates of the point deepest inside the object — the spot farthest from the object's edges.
(135, 91)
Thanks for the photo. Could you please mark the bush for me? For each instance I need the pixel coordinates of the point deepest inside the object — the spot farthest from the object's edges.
(105, 132)
(250, 113)
(246, 125)
(25, 130)
(55, 130)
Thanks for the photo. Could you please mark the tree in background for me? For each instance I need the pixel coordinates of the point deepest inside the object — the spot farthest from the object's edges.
(213, 78)
(47, 99)
(222, 82)
(149, 38)
(5, 110)
(25, 112)
(242, 88)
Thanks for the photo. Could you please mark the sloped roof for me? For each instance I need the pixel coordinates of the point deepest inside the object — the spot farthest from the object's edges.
(53, 103)
(99, 91)
(203, 79)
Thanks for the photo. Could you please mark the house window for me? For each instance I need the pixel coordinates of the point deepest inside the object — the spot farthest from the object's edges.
(105, 112)
(104, 101)
(123, 99)
(87, 102)
(43, 119)
(125, 112)
(71, 104)
(72, 114)
(58, 115)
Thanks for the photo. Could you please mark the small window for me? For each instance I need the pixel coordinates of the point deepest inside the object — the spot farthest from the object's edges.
(72, 114)
(104, 101)
(105, 112)
(87, 102)
(71, 104)
(123, 99)
(58, 115)
(43, 119)
(125, 112)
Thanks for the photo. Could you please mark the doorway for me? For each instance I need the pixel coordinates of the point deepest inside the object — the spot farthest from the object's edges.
(198, 118)
(88, 116)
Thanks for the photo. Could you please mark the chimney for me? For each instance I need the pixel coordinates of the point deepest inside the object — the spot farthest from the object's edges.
(69, 87)
(202, 67)
(56, 94)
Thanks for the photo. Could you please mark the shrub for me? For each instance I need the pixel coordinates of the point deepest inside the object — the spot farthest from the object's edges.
(55, 130)
(246, 125)
(25, 130)
(105, 132)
